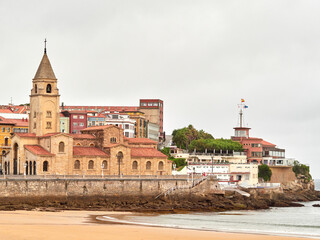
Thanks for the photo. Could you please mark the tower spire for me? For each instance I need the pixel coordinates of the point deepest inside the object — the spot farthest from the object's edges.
(45, 46)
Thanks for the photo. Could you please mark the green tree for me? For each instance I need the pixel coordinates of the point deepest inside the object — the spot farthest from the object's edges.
(166, 151)
(184, 136)
(265, 172)
(215, 144)
(301, 169)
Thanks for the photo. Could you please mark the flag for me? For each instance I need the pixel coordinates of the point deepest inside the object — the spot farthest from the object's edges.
(245, 106)
(242, 100)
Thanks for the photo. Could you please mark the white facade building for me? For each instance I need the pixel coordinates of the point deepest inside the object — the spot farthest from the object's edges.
(123, 121)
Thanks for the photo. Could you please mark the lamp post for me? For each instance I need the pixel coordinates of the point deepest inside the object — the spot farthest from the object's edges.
(102, 167)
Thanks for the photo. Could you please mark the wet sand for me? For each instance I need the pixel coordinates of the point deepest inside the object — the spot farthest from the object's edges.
(80, 225)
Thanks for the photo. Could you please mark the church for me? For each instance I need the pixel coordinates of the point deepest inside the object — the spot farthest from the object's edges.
(101, 150)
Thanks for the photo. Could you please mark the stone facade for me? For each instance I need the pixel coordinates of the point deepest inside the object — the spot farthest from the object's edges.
(97, 151)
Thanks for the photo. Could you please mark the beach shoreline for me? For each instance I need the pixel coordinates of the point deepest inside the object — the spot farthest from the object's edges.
(80, 225)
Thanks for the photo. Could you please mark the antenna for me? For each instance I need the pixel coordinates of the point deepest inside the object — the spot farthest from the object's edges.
(241, 106)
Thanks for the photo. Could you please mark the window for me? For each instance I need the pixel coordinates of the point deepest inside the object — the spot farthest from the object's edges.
(126, 126)
(77, 164)
(48, 125)
(126, 134)
(36, 88)
(135, 165)
(160, 166)
(6, 140)
(34, 115)
(114, 116)
(113, 140)
(91, 145)
(45, 166)
(61, 147)
(81, 124)
(104, 164)
(148, 165)
(81, 117)
(75, 124)
(3, 129)
(75, 116)
(49, 114)
(8, 129)
(78, 144)
(49, 88)
(90, 164)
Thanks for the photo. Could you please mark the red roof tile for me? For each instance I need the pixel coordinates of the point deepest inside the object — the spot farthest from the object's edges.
(97, 127)
(38, 150)
(140, 141)
(5, 111)
(147, 152)
(26, 134)
(89, 151)
(82, 136)
(265, 143)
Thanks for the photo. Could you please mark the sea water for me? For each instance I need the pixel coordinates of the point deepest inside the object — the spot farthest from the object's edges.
(288, 221)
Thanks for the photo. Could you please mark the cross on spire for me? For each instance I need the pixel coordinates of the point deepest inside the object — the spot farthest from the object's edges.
(45, 46)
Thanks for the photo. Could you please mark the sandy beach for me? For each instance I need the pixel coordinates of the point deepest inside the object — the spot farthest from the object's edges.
(78, 225)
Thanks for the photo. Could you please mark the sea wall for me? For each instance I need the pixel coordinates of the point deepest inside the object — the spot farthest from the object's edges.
(92, 187)
(282, 174)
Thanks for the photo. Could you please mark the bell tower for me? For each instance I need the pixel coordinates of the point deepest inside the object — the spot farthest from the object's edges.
(44, 116)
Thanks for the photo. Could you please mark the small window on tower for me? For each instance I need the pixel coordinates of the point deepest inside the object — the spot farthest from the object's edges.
(48, 114)
(36, 88)
(48, 125)
(49, 88)
(34, 115)
(34, 125)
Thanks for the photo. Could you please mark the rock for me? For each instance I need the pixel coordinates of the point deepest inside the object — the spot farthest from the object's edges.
(316, 205)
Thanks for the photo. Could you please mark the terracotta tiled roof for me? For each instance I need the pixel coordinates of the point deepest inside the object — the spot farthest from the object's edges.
(147, 152)
(140, 141)
(265, 143)
(38, 150)
(51, 134)
(97, 127)
(16, 122)
(89, 151)
(5, 111)
(85, 136)
(26, 134)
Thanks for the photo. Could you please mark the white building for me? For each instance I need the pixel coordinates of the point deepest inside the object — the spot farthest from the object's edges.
(123, 121)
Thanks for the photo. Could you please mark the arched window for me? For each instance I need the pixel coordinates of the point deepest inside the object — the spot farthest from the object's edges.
(91, 145)
(78, 144)
(148, 165)
(34, 168)
(91, 164)
(26, 167)
(120, 157)
(36, 88)
(45, 166)
(135, 165)
(160, 166)
(113, 140)
(49, 88)
(104, 164)
(61, 147)
(77, 164)
(30, 167)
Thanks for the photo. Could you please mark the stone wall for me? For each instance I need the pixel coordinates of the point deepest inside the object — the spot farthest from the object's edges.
(282, 174)
(86, 187)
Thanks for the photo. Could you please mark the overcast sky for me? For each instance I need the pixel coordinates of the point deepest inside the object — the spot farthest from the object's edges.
(200, 57)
